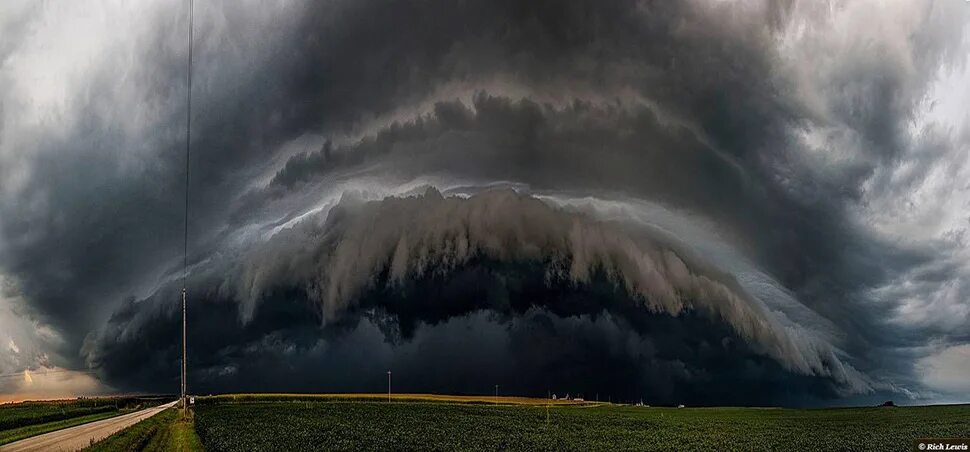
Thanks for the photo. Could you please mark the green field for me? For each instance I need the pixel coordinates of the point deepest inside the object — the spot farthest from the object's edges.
(26, 419)
(302, 423)
(22, 420)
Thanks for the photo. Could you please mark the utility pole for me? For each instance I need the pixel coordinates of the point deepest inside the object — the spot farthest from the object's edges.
(185, 244)
(496, 390)
(388, 386)
(185, 407)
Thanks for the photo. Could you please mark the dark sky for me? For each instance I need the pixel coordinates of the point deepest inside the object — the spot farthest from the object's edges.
(703, 202)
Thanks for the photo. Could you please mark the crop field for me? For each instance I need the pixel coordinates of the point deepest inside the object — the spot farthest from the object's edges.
(25, 419)
(20, 420)
(29, 413)
(309, 423)
(371, 397)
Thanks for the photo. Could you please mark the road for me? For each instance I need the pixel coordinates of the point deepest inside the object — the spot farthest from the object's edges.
(81, 436)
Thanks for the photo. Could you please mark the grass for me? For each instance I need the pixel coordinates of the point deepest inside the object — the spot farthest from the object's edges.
(16, 434)
(330, 423)
(22, 414)
(166, 431)
(26, 419)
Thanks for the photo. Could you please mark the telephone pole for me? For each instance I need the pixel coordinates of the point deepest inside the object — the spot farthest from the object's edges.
(388, 386)
(185, 243)
(184, 400)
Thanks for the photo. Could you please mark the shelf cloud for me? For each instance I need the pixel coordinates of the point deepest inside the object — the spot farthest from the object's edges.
(705, 202)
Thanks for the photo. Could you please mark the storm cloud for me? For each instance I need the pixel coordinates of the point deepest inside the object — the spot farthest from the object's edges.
(579, 196)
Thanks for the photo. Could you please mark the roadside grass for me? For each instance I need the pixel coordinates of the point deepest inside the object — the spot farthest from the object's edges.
(17, 434)
(166, 431)
(22, 414)
(25, 419)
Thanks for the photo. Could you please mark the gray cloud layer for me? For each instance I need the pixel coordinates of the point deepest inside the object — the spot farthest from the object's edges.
(816, 138)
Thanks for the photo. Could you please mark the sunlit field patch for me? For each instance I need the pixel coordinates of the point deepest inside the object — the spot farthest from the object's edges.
(283, 397)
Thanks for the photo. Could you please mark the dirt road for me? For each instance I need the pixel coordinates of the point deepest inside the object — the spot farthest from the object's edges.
(81, 436)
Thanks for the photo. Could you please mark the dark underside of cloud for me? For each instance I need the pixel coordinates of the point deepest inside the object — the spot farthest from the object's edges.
(535, 300)
(484, 324)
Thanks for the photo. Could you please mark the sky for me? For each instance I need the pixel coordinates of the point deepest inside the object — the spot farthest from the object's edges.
(703, 202)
